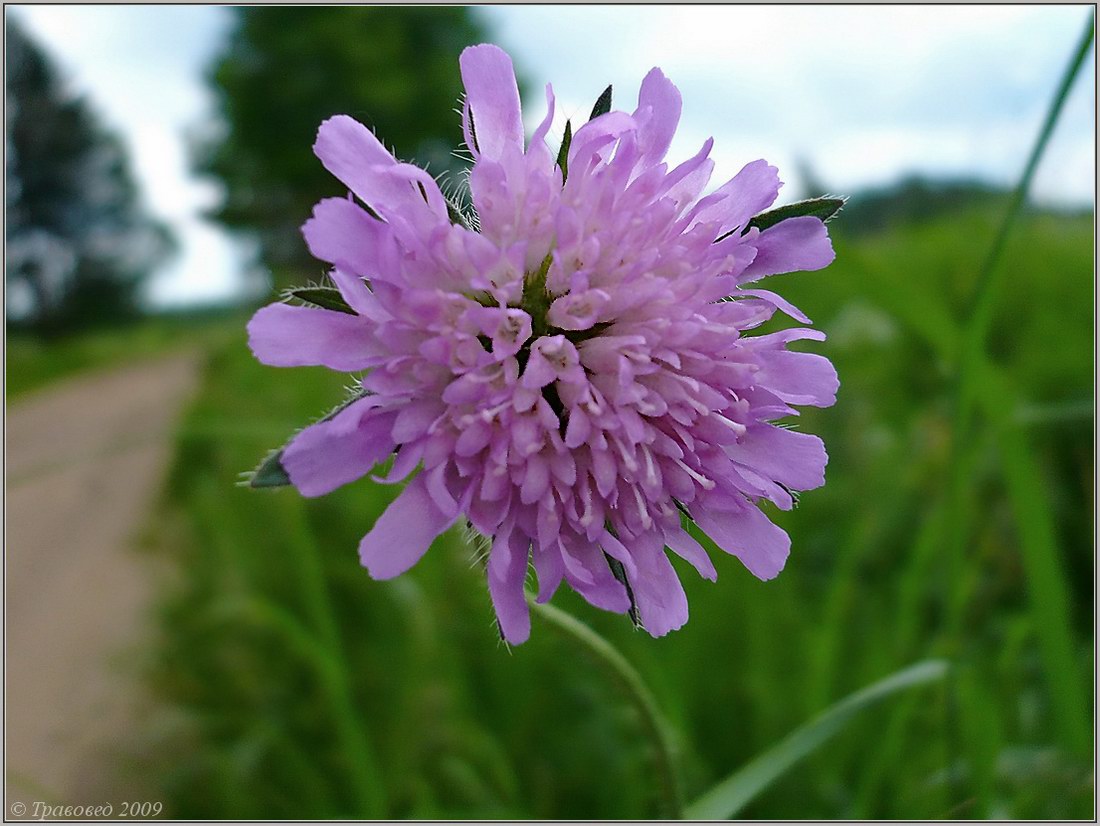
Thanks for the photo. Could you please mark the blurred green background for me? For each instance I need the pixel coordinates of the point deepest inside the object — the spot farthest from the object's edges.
(290, 685)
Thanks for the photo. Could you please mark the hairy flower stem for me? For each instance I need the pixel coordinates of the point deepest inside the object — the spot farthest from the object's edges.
(656, 729)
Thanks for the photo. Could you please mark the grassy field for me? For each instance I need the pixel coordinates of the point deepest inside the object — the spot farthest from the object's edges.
(301, 688)
(33, 362)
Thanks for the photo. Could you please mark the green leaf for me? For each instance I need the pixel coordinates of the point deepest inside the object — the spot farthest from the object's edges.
(725, 800)
(270, 473)
(603, 104)
(563, 153)
(327, 298)
(823, 208)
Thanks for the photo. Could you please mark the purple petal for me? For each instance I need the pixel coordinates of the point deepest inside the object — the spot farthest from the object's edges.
(352, 153)
(404, 532)
(662, 604)
(783, 337)
(746, 194)
(798, 378)
(778, 302)
(687, 548)
(577, 311)
(507, 571)
(749, 535)
(423, 186)
(435, 482)
(684, 183)
(282, 335)
(597, 134)
(539, 372)
(343, 234)
(359, 297)
(587, 572)
(543, 128)
(487, 515)
(552, 358)
(332, 453)
(794, 245)
(493, 98)
(549, 568)
(662, 99)
(795, 460)
(415, 418)
(404, 462)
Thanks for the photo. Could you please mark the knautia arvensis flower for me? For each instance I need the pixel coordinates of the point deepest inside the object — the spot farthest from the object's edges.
(568, 370)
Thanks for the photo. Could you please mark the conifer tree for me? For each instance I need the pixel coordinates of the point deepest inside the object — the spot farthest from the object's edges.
(286, 69)
(79, 239)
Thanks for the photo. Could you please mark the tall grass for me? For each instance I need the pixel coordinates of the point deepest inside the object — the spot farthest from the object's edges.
(304, 689)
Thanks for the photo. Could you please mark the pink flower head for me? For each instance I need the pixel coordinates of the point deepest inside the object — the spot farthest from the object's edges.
(575, 374)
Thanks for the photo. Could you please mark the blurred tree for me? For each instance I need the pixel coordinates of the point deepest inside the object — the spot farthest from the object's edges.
(79, 241)
(286, 69)
(916, 199)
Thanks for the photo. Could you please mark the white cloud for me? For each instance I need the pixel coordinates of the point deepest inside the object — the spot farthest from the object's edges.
(141, 68)
(863, 93)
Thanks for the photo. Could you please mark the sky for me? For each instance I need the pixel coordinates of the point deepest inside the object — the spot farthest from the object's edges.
(862, 95)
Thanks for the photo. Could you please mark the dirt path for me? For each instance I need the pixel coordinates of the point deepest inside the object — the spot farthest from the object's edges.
(84, 463)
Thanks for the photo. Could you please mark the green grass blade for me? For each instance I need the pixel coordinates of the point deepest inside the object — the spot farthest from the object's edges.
(985, 292)
(912, 591)
(731, 795)
(364, 767)
(1041, 557)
